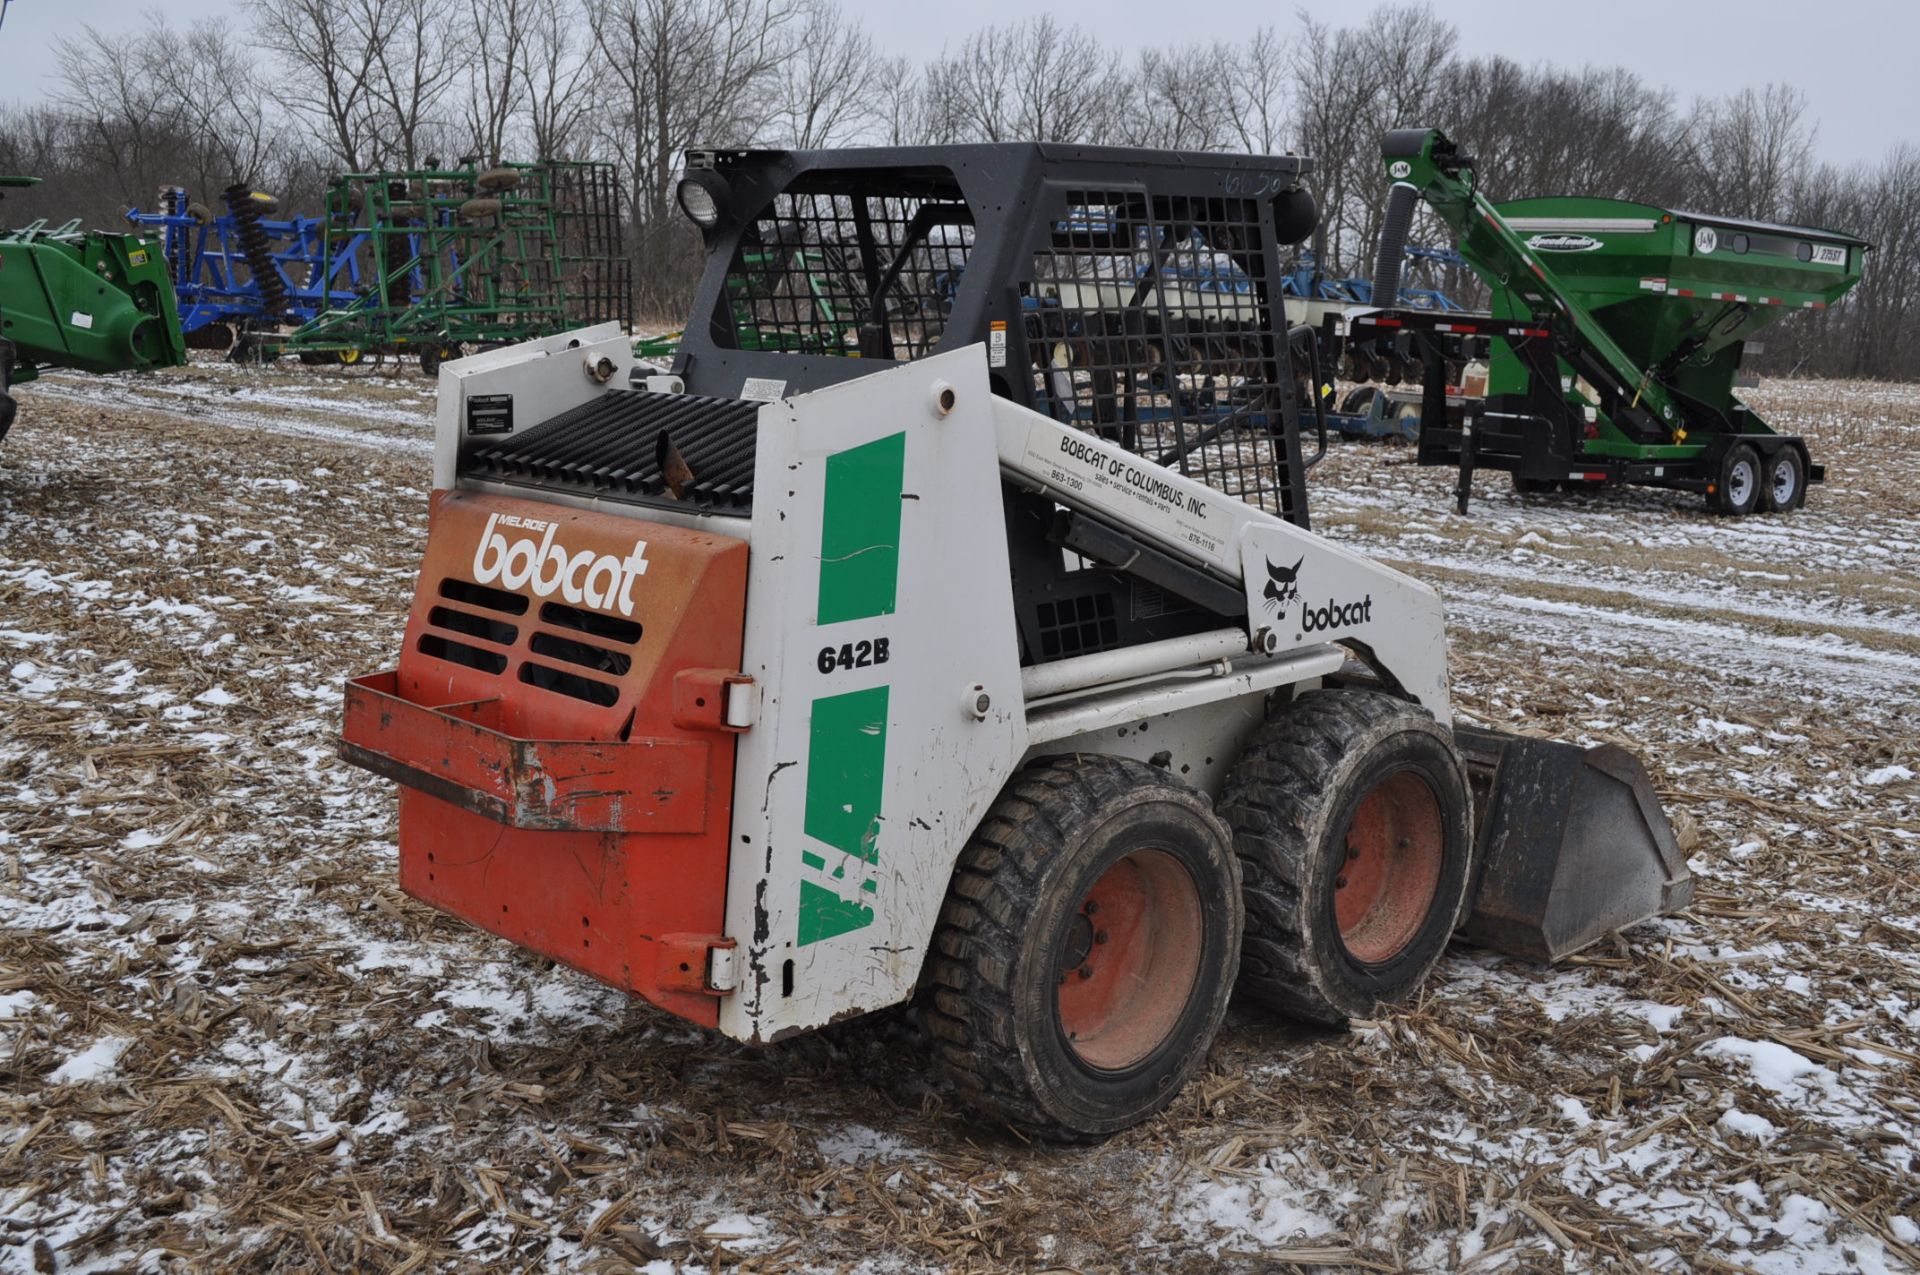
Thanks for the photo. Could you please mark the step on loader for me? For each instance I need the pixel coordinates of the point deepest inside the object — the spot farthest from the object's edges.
(945, 624)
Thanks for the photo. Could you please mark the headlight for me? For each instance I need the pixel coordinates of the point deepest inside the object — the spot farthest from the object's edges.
(702, 197)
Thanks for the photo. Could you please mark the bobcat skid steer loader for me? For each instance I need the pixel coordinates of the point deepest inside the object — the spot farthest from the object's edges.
(945, 622)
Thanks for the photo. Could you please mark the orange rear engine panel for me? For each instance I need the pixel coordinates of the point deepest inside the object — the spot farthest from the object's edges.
(556, 724)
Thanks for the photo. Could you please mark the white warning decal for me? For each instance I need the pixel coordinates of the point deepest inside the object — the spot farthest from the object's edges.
(1119, 480)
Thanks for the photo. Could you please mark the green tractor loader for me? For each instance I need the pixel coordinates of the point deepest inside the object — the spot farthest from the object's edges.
(1613, 340)
(89, 300)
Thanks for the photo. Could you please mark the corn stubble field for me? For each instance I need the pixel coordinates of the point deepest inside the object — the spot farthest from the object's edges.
(228, 1041)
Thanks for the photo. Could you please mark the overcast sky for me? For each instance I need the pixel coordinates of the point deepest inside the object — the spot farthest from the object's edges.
(1854, 59)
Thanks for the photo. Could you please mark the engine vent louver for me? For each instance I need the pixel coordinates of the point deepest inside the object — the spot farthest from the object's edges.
(460, 653)
(479, 595)
(612, 448)
(477, 626)
(614, 629)
(564, 683)
(455, 632)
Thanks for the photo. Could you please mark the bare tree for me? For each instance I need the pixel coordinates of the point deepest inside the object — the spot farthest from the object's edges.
(499, 38)
(121, 111)
(219, 97)
(326, 55)
(418, 47)
(556, 75)
(1259, 85)
(1031, 81)
(1182, 99)
(675, 74)
(900, 106)
(1746, 151)
(826, 82)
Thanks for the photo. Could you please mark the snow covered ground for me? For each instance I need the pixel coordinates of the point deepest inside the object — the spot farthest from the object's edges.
(231, 1043)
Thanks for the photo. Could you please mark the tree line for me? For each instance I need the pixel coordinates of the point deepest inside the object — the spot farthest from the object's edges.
(286, 93)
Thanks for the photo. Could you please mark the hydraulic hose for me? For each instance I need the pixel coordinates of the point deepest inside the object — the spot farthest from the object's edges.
(1401, 201)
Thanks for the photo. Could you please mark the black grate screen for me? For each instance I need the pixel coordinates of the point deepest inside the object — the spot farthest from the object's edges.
(868, 273)
(1148, 322)
(1077, 626)
(630, 444)
(596, 272)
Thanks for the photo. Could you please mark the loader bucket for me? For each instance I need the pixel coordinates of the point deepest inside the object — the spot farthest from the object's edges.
(1572, 844)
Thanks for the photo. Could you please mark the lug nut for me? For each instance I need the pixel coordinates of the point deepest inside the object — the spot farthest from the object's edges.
(1405, 842)
(1086, 971)
(1100, 937)
(1353, 852)
(1339, 883)
(1093, 905)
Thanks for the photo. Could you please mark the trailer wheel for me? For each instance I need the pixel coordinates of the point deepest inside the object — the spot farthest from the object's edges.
(1736, 488)
(1087, 947)
(1359, 400)
(432, 356)
(8, 409)
(1785, 488)
(1353, 824)
(1531, 486)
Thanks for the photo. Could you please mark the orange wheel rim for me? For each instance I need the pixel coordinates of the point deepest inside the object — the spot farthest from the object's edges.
(1384, 891)
(1131, 960)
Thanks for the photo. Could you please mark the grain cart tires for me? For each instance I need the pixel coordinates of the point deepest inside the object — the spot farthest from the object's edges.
(1784, 489)
(1086, 949)
(1353, 824)
(1737, 484)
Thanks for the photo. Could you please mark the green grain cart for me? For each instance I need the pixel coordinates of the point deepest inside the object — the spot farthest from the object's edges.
(89, 300)
(1614, 336)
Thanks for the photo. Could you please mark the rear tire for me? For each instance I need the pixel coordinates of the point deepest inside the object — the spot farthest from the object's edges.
(1086, 949)
(1783, 489)
(1736, 489)
(1354, 828)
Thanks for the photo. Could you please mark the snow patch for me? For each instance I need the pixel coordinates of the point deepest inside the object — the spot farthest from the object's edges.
(96, 1062)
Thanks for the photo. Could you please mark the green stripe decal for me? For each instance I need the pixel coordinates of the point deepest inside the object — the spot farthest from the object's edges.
(860, 530)
(846, 770)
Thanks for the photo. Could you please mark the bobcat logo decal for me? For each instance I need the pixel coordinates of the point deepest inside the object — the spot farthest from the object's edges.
(1282, 586)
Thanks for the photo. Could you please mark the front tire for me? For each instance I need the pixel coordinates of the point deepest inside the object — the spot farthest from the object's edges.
(1736, 490)
(1353, 824)
(1086, 949)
